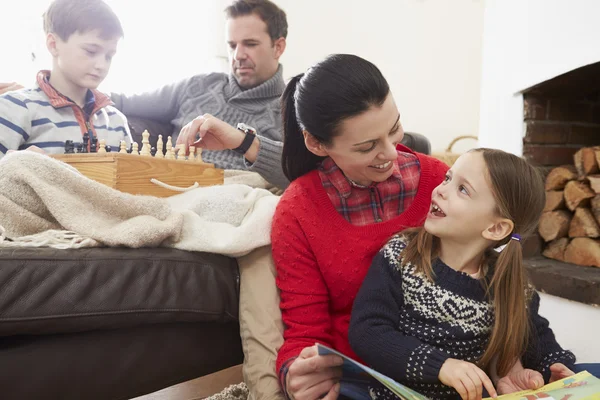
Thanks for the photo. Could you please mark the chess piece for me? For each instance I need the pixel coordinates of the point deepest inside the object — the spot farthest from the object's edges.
(181, 152)
(159, 147)
(108, 148)
(145, 150)
(134, 149)
(86, 142)
(69, 147)
(123, 147)
(153, 151)
(199, 155)
(102, 149)
(94, 146)
(192, 156)
(170, 153)
(79, 147)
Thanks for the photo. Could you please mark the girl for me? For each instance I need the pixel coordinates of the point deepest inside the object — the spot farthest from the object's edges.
(442, 304)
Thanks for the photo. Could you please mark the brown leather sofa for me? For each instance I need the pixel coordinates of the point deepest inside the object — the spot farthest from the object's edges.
(115, 323)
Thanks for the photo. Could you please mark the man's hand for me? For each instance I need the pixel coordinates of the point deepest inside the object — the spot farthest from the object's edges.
(210, 133)
(467, 378)
(312, 376)
(559, 371)
(525, 379)
(9, 86)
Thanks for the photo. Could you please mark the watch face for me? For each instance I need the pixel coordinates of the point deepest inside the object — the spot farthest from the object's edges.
(246, 128)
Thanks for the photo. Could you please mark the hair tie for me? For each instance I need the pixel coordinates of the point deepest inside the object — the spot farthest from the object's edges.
(516, 236)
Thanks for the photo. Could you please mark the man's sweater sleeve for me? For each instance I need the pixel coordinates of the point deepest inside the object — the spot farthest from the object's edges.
(304, 293)
(15, 123)
(374, 333)
(161, 104)
(543, 350)
(268, 162)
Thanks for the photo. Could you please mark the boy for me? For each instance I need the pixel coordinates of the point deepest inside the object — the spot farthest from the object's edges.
(82, 36)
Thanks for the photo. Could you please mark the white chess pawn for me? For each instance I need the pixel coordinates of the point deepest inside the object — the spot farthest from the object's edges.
(192, 156)
(181, 152)
(134, 149)
(123, 147)
(159, 148)
(102, 149)
(199, 155)
(145, 150)
(170, 153)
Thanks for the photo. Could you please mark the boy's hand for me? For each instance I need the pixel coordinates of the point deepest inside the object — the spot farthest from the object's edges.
(525, 379)
(35, 149)
(559, 371)
(9, 86)
(467, 378)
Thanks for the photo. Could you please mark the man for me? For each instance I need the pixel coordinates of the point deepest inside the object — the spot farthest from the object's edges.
(237, 114)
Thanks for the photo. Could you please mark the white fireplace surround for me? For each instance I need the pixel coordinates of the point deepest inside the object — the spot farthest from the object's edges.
(526, 42)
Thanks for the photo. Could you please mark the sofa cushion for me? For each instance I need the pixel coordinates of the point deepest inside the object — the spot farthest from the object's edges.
(46, 290)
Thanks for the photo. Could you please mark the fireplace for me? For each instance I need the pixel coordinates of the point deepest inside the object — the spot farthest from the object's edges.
(561, 116)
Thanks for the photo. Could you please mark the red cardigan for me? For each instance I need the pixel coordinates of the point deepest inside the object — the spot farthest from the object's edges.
(322, 259)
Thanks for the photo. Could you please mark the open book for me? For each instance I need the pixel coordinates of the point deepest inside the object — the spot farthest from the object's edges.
(357, 378)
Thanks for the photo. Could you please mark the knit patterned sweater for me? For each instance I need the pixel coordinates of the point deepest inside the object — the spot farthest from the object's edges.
(220, 95)
(321, 258)
(405, 326)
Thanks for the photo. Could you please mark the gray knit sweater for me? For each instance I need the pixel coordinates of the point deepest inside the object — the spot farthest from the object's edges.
(220, 95)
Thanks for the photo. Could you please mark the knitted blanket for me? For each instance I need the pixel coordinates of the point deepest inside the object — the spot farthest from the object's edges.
(44, 202)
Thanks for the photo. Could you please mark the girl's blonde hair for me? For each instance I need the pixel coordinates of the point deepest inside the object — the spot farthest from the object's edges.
(518, 189)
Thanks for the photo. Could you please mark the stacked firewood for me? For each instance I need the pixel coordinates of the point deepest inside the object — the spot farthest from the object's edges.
(570, 224)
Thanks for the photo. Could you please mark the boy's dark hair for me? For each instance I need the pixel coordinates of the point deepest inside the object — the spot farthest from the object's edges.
(65, 17)
(272, 15)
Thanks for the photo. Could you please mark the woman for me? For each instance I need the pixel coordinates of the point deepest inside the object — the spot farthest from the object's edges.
(353, 186)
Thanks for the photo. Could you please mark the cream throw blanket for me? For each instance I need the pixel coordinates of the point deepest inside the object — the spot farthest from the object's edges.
(44, 202)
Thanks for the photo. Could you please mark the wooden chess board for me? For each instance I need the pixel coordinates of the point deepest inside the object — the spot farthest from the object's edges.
(131, 173)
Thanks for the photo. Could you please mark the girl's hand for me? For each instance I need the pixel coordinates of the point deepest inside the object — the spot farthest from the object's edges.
(467, 378)
(525, 379)
(311, 376)
(559, 371)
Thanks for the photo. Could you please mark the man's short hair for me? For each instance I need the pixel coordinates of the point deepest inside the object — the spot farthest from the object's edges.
(272, 15)
(65, 17)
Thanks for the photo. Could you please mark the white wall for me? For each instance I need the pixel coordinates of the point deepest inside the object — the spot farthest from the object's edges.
(575, 325)
(526, 42)
(429, 51)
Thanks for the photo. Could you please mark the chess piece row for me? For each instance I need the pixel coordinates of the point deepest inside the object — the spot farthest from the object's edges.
(172, 153)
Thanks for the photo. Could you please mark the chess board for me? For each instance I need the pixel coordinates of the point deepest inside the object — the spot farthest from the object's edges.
(136, 172)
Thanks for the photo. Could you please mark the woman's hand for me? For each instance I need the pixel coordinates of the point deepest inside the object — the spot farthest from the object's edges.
(559, 371)
(525, 379)
(467, 378)
(311, 376)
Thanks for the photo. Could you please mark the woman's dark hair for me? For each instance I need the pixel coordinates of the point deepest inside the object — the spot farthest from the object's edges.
(339, 87)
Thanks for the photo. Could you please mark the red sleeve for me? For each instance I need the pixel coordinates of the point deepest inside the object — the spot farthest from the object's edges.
(438, 169)
(304, 295)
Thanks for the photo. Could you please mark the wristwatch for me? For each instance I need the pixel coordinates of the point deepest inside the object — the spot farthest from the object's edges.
(250, 133)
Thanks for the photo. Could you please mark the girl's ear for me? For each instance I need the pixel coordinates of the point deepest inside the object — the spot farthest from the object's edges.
(313, 145)
(498, 230)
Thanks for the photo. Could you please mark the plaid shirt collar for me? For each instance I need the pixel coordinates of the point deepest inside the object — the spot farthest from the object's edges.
(94, 99)
(344, 185)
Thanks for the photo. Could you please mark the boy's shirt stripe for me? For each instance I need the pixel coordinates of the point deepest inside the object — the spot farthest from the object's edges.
(14, 127)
